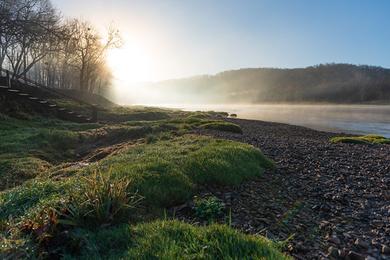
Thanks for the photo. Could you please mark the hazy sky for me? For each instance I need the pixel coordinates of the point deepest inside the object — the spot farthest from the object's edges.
(170, 39)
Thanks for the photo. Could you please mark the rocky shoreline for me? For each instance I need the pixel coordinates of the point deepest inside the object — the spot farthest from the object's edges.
(332, 201)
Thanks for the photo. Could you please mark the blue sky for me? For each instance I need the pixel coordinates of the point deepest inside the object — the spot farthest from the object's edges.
(183, 38)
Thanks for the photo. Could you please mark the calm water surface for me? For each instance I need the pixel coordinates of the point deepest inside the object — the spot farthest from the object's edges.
(354, 119)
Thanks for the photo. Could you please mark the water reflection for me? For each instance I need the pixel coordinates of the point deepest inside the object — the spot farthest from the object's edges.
(356, 119)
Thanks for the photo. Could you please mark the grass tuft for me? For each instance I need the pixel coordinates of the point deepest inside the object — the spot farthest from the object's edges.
(102, 200)
(223, 126)
(366, 139)
(177, 240)
(167, 172)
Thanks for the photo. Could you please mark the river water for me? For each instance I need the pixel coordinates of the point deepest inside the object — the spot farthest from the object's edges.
(354, 119)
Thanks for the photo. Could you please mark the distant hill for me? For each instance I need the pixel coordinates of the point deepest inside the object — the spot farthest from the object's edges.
(334, 83)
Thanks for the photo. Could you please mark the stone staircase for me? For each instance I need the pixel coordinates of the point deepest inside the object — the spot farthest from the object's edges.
(38, 96)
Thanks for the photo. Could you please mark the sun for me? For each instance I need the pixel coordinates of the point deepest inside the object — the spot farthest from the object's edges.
(129, 64)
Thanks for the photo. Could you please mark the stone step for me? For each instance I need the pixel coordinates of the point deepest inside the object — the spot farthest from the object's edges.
(65, 113)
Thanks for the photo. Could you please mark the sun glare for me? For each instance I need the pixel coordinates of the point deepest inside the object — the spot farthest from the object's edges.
(130, 64)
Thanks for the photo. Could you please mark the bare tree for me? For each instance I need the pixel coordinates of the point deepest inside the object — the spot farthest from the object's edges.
(89, 51)
(7, 28)
(36, 31)
(36, 43)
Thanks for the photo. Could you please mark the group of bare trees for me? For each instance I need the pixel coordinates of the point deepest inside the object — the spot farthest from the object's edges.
(36, 42)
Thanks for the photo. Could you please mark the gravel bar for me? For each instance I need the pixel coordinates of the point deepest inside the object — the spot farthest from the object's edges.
(332, 201)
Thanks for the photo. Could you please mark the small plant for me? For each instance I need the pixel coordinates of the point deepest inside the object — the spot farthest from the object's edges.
(103, 200)
(208, 208)
(233, 115)
(151, 138)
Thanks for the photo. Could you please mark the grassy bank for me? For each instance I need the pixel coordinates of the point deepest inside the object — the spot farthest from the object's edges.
(167, 172)
(55, 198)
(164, 173)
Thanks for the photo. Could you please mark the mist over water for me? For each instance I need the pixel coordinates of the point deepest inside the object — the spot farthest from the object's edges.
(352, 119)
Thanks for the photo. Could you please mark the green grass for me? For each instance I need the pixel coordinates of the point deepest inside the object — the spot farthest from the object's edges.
(50, 208)
(72, 105)
(164, 173)
(29, 147)
(14, 245)
(119, 113)
(109, 135)
(198, 121)
(15, 171)
(217, 113)
(209, 208)
(101, 200)
(176, 240)
(42, 137)
(198, 115)
(223, 126)
(27, 200)
(135, 113)
(366, 139)
(167, 172)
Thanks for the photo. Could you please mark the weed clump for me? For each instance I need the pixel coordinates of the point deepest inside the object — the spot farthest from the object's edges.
(209, 208)
(102, 200)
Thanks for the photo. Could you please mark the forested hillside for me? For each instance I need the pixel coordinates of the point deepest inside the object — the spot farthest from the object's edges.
(338, 83)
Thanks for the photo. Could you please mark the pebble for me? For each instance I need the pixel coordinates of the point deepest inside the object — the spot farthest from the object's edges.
(333, 252)
(317, 188)
(335, 240)
(355, 256)
(385, 250)
(362, 244)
